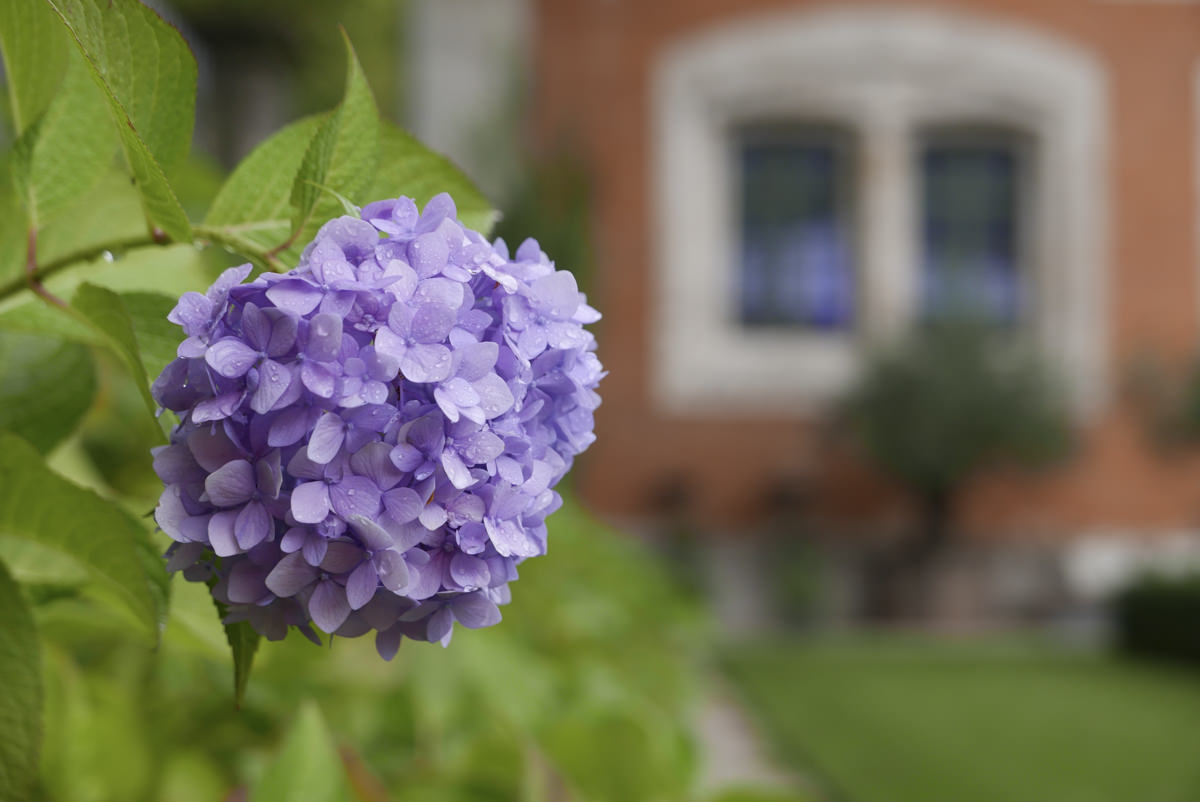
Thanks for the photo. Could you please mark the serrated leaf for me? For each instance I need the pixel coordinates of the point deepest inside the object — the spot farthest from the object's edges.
(341, 156)
(148, 75)
(308, 767)
(243, 644)
(157, 337)
(67, 150)
(35, 58)
(38, 504)
(20, 693)
(46, 386)
(407, 167)
(253, 209)
(105, 311)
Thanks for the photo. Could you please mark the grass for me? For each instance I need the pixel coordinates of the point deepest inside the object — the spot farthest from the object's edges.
(901, 720)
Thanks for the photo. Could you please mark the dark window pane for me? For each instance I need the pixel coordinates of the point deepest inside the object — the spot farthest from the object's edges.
(971, 194)
(795, 251)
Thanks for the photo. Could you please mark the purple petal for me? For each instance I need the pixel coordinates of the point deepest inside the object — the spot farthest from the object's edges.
(477, 359)
(218, 408)
(426, 363)
(220, 533)
(295, 295)
(482, 447)
(326, 439)
(428, 254)
(432, 323)
(372, 535)
(556, 294)
(495, 397)
(254, 525)
(403, 504)
(194, 313)
(361, 585)
(310, 502)
(288, 427)
(341, 556)
(283, 335)
(475, 610)
(290, 576)
(273, 382)
(433, 516)
(387, 643)
(324, 337)
(457, 472)
(231, 484)
(328, 606)
(318, 378)
(355, 495)
(256, 327)
(393, 571)
(372, 461)
(230, 357)
(211, 447)
(246, 582)
(440, 626)
(470, 572)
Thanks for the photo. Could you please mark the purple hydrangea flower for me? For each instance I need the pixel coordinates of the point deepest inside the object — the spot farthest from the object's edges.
(370, 442)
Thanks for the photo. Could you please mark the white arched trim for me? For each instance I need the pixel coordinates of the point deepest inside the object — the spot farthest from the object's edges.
(885, 74)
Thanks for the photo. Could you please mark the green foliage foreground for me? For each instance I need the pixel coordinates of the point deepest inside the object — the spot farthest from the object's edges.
(115, 683)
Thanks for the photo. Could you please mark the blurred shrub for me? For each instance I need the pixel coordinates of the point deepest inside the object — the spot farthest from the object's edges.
(1157, 617)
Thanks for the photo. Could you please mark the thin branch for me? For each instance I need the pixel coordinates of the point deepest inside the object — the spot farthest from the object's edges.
(32, 278)
(35, 274)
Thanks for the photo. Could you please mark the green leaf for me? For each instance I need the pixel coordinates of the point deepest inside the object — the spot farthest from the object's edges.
(20, 693)
(157, 337)
(35, 58)
(148, 75)
(341, 156)
(243, 643)
(106, 312)
(308, 768)
(252, 212)
(38, 504)
(46, 386)
(67, 150)
(406, 167)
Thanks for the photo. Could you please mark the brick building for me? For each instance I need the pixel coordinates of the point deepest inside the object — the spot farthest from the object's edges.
(731, 326)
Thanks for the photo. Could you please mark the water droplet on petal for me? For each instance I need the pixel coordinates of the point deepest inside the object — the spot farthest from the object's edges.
(108, 256)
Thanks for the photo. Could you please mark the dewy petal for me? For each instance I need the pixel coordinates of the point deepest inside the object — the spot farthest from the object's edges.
(428, 254)
(256, 327)
(324, 337)
(310, 502)
(426, 363)
(318, 378)
(291, 575)
(475, 610)
(556, 294)
(231, 484)
(372, 461)
(355, 495)
(273, 382)
(470, 572)
(230, 357)
(361, 585)
(393, 571)
(403, 504)
(495, 397)
(432, 322)
(371, 534)
(457, 472)
(482, 447)
(295, 295)
(327, 437)
(477, 360)
(219, 408)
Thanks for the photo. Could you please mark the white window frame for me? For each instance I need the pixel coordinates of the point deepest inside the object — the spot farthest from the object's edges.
(885, 74)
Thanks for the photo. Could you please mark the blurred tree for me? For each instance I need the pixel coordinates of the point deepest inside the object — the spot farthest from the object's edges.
(955, 398)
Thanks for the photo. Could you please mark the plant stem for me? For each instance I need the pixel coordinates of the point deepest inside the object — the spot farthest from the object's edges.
(34, 274)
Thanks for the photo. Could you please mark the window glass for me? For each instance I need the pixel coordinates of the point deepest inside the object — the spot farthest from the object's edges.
(796, 263)
(971, 226)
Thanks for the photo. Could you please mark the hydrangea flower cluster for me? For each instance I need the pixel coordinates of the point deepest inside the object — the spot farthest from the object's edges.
(371, 441)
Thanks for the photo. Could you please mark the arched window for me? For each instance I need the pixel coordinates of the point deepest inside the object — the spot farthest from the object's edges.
(826, 179)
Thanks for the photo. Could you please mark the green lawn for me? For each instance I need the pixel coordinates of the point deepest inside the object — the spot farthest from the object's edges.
(906, 721)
